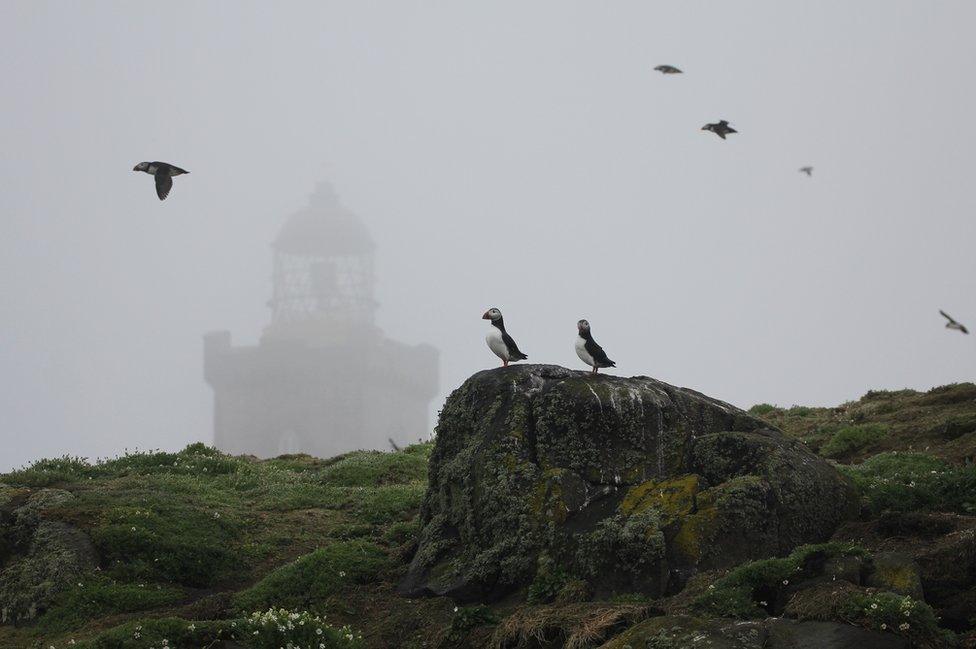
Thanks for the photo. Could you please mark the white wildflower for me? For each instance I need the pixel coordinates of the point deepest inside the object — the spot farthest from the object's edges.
(904, 626)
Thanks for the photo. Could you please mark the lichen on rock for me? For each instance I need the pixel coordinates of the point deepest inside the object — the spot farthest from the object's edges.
(629, 483)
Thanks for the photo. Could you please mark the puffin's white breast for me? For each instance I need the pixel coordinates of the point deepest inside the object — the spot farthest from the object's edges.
(582, 353)
(496, 344)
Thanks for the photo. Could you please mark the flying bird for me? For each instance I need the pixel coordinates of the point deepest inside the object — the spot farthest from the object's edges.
(807, 170)
(164, 172)
(668, 69)
(498, 339)
(587, 349)
(952, 324)
(720, 129)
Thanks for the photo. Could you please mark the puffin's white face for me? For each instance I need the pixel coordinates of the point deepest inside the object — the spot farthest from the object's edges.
(583, 325)
(142, 166)
(492, 314)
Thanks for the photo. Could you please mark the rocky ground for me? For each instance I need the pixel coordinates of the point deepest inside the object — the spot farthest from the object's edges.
(561, 510)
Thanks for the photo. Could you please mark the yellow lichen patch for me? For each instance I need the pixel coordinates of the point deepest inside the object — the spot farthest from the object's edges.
(695, 530)
(896, 573)
(673, 498)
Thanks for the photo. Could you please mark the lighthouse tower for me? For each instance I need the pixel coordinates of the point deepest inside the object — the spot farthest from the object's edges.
(323, 379)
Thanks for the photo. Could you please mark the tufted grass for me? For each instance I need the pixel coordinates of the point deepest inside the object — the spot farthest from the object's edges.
(914, 481)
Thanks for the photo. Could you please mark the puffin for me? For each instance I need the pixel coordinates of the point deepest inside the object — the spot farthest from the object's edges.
(720, 129)
(952, 324)
(498, 339)
(164, 172)
(587, 349)
(668, 69)
(807, 170)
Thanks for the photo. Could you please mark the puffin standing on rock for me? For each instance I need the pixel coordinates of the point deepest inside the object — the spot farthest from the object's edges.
(163, 172)
(587, 349)
(498, 339)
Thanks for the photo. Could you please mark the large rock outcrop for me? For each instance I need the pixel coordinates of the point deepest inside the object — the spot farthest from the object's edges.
(38, 558)
(542, 473)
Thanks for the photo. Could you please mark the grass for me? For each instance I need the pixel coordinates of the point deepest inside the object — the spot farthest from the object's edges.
(914, 482)
(308, 582)
(101, 596)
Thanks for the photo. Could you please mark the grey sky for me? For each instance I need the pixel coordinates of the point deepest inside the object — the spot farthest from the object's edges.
(510, 154)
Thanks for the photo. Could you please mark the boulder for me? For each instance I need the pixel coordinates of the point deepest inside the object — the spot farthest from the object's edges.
(630, 484)
(47, 556)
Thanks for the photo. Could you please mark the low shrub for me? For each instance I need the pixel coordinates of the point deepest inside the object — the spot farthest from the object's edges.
(851, 439)
(761, 409)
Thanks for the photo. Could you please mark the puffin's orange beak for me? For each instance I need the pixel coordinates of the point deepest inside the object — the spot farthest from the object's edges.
(486, 316)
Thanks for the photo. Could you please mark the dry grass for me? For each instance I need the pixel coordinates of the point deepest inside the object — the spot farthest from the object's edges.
(573, 626)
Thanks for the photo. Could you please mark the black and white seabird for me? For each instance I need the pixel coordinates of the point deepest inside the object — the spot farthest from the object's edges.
(668, 69)
(587, 349)
(164, 172)
(720, 129)
(807, 170)
(498, 339)
(952, 324)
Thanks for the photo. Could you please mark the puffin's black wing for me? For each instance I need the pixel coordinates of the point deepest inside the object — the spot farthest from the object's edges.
(599, 356)
(513, 350)
(164, 183)
(946, 315)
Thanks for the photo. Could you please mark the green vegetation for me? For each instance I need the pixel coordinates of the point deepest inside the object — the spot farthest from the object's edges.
(309, 581)
(941, 422)
(100, 596)
(914, 481)
(762, 409)
(178, 535)
(756, 588)
(549, 580)
(851, 439)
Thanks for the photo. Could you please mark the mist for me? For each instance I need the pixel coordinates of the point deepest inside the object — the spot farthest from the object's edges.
(521, 156)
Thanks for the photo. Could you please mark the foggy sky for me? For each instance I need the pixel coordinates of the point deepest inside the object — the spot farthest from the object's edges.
(510, 154)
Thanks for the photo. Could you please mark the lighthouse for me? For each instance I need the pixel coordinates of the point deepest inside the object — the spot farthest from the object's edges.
(323, 379)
